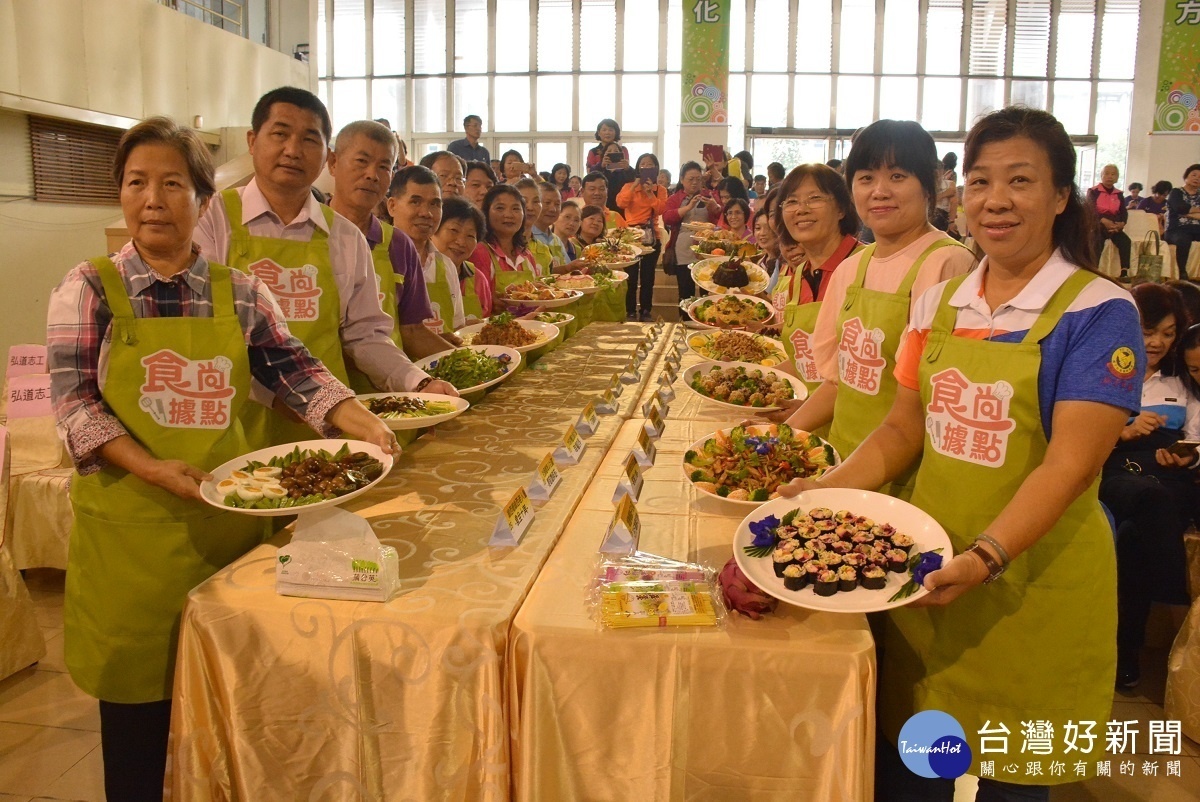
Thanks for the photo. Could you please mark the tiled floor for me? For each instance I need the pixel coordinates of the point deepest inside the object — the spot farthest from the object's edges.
(50, 731)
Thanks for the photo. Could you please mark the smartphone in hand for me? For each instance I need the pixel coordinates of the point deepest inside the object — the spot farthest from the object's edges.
(1183, 448)
(714, 153)
(648, 174)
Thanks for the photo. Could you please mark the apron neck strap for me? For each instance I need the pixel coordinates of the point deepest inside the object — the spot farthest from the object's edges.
(240, 234)
(118, 300)
(906, 286)
(946, 315)
(860, 278)
(386, 242)
(222, 290)
(1058, 304)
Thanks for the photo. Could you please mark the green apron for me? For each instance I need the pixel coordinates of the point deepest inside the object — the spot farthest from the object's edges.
(542, 256)
(382, 261)
(472, 308)
(869, 327)
(1054, 610)
(300, 275)
(177, 385)
(440, 296)
(799, 323)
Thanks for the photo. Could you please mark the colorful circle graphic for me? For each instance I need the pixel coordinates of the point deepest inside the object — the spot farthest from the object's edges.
(933, 744)
(1174, 96)
(712, 93)
(1188, 100)
(698, 90)
(1171, 116)
(698, 109)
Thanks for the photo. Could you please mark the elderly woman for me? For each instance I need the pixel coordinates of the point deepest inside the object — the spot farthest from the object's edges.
(459, 233)
(601, 157)
(1037, 362)
(152, 351)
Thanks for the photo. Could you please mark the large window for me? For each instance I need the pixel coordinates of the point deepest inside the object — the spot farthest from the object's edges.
(544, 72)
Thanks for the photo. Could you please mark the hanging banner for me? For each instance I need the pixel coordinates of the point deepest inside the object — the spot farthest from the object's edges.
(705, 62)
(1176, 109)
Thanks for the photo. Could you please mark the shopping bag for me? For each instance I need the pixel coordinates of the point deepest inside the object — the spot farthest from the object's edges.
(1150, 265)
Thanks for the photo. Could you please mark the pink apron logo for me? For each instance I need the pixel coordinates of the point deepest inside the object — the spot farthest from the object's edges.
(860, 357)
(187, 394)
(969, 421)
(806, 363)
(295, 289)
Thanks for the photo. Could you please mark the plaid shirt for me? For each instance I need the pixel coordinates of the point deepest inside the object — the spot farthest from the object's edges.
(79, 333)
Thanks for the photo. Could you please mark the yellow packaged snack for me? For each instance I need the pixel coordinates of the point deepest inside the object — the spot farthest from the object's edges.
(657, 604)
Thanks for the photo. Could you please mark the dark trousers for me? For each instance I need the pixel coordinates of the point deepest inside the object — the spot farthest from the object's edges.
(1151, 514)
(687, 287)
(895, 783)
(1121, 240)
(1182, 238)
(133, 743)
(642, 274)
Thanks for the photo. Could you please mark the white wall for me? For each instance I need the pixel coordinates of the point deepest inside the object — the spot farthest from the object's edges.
(1153, 157)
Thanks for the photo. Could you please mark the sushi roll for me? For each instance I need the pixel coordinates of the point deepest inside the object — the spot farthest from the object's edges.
(793, 577)
(825, 526)
(828, 539)
(863, 537)
(821, 514)
(804, 555)
(897, 560)
(788, 545)
(786, 532)
(854, 560)
(844, 531)
(813, 544)
(902, 541)
(842, 516)
(847, 579)
(811, 571)
(826, 584)
(841, 547)
(865, 548)
(781, 559)
(831, 559)
(873, 577)
(865, 523)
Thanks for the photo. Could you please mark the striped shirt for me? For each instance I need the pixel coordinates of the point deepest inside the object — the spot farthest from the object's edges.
(79, 334)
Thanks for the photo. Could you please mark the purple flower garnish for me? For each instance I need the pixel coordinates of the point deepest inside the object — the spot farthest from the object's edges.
(930, 561)
(763, 449)
(763, 531)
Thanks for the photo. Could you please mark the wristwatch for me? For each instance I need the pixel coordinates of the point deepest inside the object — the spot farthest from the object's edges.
(421, 385)
(995, 568)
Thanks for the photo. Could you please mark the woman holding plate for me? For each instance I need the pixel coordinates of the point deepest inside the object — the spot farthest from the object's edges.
(892, 175)
(1014, 382)
(151, 351)
(502, 258)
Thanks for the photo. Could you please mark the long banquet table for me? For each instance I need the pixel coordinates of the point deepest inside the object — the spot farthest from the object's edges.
(423, 697)
(780, 708)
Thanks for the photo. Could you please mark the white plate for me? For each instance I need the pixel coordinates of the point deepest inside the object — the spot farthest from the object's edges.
(400, 424)
(547, 333)
(798, 388)
(568, 318)
(697, 339)
(490, 350)
(910, 520)
(698, 226)
(623, 263)
(751, 298)
(208, 490)
(620, 275)
(551, 303)
(702, 274)
(757, 430)
(592, 290)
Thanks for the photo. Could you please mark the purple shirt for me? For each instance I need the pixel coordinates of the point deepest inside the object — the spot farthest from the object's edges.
(412, 299)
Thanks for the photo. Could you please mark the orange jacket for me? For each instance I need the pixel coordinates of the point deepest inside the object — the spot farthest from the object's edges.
(638, 207)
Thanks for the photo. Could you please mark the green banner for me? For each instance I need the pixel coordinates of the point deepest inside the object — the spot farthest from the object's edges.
(705, 62)
(1176, 108)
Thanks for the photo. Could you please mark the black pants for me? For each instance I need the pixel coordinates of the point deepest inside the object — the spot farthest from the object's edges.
(687, 287)
(642, 274)
(1152, 514)
(133, 742)
(1121, 240)
(1182, 238)
(895, 783)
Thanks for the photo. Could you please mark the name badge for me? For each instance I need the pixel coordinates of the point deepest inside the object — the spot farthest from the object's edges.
(572, 447)
(631, 480)
(588, 421)
(545, 480)
(513, 521)
(621, 537)
(645, 451)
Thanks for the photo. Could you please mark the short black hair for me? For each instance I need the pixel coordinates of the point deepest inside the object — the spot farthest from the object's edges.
(775, 170)
(295, 96)
(1189, 169)
(413, 174)
(1162, 188)
(484, 166)
(612, 124)
(1137, 186)
(833, 164)
(489, 199)
(469, 117)
(430, 159)
(687, 167)
(458, 208)
(739, 204)
(736, 188)
(896, 143)
(593, 177)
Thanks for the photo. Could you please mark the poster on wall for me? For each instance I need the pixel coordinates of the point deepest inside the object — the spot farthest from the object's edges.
(1176, 109)
(705, 62)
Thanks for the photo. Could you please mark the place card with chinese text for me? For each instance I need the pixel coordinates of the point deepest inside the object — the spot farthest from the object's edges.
(515, 518)
(546, 479)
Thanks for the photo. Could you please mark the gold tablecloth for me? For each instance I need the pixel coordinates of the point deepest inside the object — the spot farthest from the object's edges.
(781, 708)
(1182, 699)
(304, 699)
(21, 641)
(39, 516)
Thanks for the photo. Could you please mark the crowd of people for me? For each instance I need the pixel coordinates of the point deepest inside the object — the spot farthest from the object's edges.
(884, 314)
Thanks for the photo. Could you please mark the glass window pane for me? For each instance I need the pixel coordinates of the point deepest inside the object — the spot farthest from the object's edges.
(639, 146)
(349, 38)
(810, 101)
(768, 100)
(770, 35)
(983, 95)
(675, 35)
(424, 148)
(737, 115)
(323, 92)
(598, 45)
(1113, 103)
(856, 50)
(429, 105)
(897, 98)
(670, 153)
(788, 152)
(899, 33)
(556, 36)
(1072, 101)
(512, 36)
(1118, 39)
(388, 35)
(387, 100)
(1076, 23)
(429, 47)
(520, 147)
(855, 100)
(1029, 93)
(1031, 38)
(470, 97)
(548, 154)
(512, 103)
(470, 35)
(940, 104)
(597, 100)
(989, 34)
(737, 34)
(555, 102)
(943, 38)
(639, 102)
(322, 45)
(349, 102)
(814, 37)
(641, 36)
